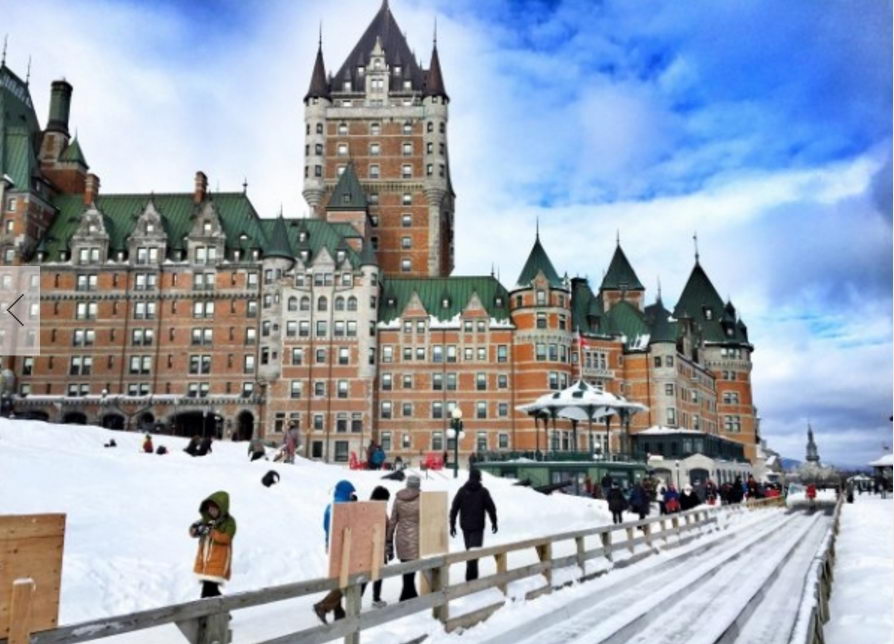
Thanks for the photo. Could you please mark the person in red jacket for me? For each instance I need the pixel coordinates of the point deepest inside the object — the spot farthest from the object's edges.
(147, 445)
(811, 492)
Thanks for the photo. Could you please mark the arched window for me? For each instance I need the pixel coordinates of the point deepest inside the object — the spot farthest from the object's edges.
(293, 303)
(322, 303)
(319, 128)
(339, 303)
(305, 303)
(430, 127)
(352, 303)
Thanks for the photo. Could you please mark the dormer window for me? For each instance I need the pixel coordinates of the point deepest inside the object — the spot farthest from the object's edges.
(377, 63)
(347, 86)
(302, 236)
(206, 227)
(340, 256)
(445, 303)
(361, 69)
(392, 301)
(709, 313)
(243, 237)
(150, 228)
(498, 301)
(397, 70)
(346, 198)
(91, 228)
(408, 84)
(305, 255)
(255, 253)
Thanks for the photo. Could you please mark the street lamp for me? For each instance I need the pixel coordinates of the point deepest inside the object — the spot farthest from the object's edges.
(103, 401)
(677, 468)
(456, 433)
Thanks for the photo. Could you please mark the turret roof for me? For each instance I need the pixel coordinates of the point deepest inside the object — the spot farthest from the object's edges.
(348, 193)
(538, 261)
(434, 81)
(73, 153)
(620, 275)
(319, 85)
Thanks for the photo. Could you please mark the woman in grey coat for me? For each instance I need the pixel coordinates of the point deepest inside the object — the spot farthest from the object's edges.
(403, 532)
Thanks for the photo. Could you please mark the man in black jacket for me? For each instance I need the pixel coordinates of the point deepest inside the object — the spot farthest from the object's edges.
(471, 502)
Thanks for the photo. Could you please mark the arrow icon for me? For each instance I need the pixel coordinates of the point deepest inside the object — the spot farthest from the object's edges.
(9, 309)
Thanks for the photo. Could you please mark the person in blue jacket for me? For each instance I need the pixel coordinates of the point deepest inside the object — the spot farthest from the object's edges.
(378, 457)
(639, 500)
(344, 493)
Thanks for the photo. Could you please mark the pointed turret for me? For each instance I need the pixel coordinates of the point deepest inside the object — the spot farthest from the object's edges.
(699, 300)
(434, 81)
(278, 245)
(620, 275)
(661, 327)
(538, 262)
(368, 255)
(348, 193)
(319, 86)
(74, 154)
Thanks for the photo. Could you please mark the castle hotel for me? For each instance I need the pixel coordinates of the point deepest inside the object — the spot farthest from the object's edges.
(190, 311)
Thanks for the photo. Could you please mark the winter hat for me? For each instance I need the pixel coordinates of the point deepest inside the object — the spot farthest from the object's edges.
(343, 491)
(475, 474)
(413, 482)
(380, 493)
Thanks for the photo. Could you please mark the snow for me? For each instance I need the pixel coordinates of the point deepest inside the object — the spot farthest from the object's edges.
(126, 546)
(660, 430)
(885, 461)
(862, 592)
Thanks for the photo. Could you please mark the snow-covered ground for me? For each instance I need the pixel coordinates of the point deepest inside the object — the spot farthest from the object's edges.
(126, 544)
(862, 602)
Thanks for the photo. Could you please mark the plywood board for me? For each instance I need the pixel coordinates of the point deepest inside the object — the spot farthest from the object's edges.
(433, 523)
(359, 520)
(31, 547)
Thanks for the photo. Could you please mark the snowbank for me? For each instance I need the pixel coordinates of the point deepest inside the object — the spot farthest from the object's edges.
(126, 544)
(862, 593)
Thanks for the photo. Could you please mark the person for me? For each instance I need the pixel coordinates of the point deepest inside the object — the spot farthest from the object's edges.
(606, 483)
(204, 447)
(671, 499)
(193, 447)
(344, 493)
(378, 458)
(403, 532)
(588, 486)
(850, 491)
(661, 490)
(811, 493)
(616, 503)
(735, 492)
(148, 448)
(270, 478)
(111, 443)
(471, 503)
(689, 499)
(370, 454)
(256, 449)
(379, 493)
(291, 442)
(639, 500)
(215, 532)
(161, 450)
(398, 463)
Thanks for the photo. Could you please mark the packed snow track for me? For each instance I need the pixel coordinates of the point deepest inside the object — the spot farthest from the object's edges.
(745, 586)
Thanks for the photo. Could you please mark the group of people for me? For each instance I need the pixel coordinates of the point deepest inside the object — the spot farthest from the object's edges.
(471, 505)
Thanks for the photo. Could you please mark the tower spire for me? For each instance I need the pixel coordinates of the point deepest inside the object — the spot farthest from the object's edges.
(617, 237)
(695, 243)
(435, 35)
(659, 287)
(320, 37)
(5, 43)
(28, 71)
(537, 227)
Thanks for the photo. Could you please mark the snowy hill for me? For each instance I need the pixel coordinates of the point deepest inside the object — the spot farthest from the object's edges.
(126, 542)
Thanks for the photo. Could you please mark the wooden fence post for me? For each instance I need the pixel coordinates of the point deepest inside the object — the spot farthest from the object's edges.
(20, 611)
(440, 579)
(664, 531)
(581, 561)
(647, 531)
(352, 610)
(545, 553)
(501, 560)
(630, 539)
(606, 538)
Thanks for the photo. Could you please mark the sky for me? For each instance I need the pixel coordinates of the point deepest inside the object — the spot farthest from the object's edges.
(762, 126)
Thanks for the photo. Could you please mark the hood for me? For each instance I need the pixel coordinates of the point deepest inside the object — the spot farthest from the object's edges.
(473, 485)
(408, 494)
(221, 499)
(343, 491)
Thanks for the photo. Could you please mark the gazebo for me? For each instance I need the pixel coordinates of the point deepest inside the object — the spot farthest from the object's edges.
(581, 401)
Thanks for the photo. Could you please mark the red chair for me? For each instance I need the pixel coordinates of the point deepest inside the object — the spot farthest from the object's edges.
(354, 463)
(433, 461)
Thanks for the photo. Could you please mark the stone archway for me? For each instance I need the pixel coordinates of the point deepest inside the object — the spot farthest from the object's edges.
(245, 425)
(34, 414)
(74, 418)
(112, 421)
(197, 423)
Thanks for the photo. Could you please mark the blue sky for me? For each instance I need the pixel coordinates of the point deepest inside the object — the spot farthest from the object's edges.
(763, 125)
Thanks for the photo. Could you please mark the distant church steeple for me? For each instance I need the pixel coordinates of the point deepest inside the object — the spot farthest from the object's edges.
(812, 454)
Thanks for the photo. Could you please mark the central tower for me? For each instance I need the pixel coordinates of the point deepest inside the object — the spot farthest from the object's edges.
(385, 116)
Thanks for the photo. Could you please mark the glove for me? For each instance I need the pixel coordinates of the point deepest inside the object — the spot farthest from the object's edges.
(389, 552)
(452, 531)
(494, 529)
(199, 529)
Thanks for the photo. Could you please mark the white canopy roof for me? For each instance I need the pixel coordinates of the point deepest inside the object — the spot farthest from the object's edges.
(885, 461)
(581, 401)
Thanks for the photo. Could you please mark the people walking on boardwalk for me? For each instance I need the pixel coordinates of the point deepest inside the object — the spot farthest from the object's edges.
(639, 500)
(331, 603)
(736, 493)
(215, 532)
(379, 493)
(471, 503)
(403, 532)
(689, 499)
(671, 499)
(616, 503)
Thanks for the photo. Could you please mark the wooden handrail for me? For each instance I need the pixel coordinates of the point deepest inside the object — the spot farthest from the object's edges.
(210, 607)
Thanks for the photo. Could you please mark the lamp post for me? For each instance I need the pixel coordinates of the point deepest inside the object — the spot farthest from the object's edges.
(677, 469)
(103, 401)
(456, 433)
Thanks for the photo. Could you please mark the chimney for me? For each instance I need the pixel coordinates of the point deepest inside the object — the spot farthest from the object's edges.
(198, 196)
(60, 105)
(91, 188)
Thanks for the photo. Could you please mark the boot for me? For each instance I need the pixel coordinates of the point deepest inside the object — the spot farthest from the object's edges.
(321, 612)
(339, 613)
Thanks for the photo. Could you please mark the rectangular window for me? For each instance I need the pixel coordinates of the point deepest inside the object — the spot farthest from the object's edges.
(295, 389)
(481, 409)
(437, 381)
(248, 364)
(406, 171)
(503, 410)
(669, 389)
(387, 353)
(502, 381)
(481, 382)
(387, 382)
(437, 441)
(541, 320)
(342, 389)
(481, 441)
(406, 220)
(297, 356)
(451, 382)
(386, 409)
(502, 353)
(503, 441)
(671, 416)
(540, 351)
(437, 409)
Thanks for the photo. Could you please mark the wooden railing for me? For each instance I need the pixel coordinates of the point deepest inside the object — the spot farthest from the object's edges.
(814, 609)
(206, 621)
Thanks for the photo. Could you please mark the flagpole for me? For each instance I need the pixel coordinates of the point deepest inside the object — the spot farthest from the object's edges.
(580, 354)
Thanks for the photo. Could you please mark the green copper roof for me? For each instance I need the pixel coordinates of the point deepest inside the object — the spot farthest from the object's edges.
(73, 153)
(278, 241)
(348, 193)
(236, 213)
(627, 320)
(19, 131)
(538, 261)
(620, 275)
(458, 291)
(662, 328)
(702, 304)
(368, 255)
(318, 234)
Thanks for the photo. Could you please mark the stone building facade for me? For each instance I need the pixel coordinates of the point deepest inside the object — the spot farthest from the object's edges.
(190, 313)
